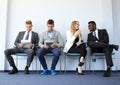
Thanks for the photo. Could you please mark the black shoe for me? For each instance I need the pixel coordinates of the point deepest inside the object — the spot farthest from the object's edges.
(116, 47)
(13, 71)
(107, 74)
(78, 72)
(26, 70)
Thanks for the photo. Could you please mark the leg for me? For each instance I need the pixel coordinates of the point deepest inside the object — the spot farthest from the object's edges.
(109, 61)
(94, 44)
(40, 53)
(108, 52)
(30, 53)
(56, 52)
(82, 50)
(8, 54)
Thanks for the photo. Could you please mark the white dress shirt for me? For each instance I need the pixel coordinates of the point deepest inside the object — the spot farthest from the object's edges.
(30, 35)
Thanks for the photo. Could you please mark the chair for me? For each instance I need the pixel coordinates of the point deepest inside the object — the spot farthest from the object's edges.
(23, 55)
(73, 55)
(99, 56)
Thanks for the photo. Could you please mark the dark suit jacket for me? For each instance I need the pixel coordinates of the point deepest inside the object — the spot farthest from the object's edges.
(102, 34)
(34, 40)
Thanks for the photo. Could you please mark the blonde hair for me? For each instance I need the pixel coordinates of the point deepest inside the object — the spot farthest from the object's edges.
(73, 29)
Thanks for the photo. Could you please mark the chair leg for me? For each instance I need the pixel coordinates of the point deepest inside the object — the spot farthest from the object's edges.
(36, 64)
(17, 61)
(93, 61)
(65, 62)
(60, 63)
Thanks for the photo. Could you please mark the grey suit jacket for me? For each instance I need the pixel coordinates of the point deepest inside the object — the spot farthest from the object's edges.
(34, 40)
(57, 38)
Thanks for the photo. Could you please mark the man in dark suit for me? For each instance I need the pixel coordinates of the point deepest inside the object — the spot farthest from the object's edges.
(98, 41)
(31, 39)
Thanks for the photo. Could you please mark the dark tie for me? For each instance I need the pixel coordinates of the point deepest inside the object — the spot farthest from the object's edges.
(27, 36)
(94, 34)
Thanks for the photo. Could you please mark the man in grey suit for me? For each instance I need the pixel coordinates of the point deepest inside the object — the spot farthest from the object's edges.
(26, 42)
(50, 42)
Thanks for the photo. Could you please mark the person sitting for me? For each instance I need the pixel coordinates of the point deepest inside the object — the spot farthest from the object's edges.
(31, 39)
(75, 44)
(98, 41)
(51, 41)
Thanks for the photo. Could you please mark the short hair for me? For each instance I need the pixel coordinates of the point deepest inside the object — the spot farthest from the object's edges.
(50, 21)
(92, 22)
(28, 22)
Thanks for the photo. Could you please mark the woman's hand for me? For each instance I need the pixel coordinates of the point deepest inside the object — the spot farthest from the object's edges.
(77, 33)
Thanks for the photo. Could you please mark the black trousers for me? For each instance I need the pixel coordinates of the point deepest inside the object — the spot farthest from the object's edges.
(102, 48)
(79, 49)
(12, 51)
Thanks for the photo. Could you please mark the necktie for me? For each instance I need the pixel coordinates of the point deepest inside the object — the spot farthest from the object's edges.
(94, 34)
(27, 36)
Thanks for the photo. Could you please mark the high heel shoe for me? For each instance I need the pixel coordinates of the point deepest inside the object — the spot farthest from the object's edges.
(78, 72)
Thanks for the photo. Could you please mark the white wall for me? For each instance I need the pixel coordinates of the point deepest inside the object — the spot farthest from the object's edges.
(3, 25)
(63, 12)
(116, 24)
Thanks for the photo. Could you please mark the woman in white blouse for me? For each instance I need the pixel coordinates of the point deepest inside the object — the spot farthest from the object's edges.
(75, 44)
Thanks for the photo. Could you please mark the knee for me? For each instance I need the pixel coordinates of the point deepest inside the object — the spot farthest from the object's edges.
(57, 53)
(31, 51)
(39, 52)
(7, 52)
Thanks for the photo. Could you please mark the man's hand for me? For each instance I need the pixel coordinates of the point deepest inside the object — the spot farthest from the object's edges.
(20, 45)
(53, 45)
(30, 45)
(45, 46)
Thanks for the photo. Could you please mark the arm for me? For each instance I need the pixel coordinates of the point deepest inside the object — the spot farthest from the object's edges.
(70, 38)
(41, 42)
(36, 40)
(90, 40)
(60, 42)
(17, 41)
(105, 37)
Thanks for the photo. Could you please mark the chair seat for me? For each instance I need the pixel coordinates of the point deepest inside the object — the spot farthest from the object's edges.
(21, 54)
(100, 54)
(73, 54)
(49, 54)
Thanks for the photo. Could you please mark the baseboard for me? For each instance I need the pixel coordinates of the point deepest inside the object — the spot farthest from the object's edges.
(64, 70)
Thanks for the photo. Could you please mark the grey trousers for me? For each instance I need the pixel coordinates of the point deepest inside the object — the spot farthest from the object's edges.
(12, 51)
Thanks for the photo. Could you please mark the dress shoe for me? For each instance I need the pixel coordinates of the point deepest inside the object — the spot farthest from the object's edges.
(107, 73)
(53, 72)
(45, 72)
(26, 70)
(116, 47)
(13, 71)
(78, 72)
